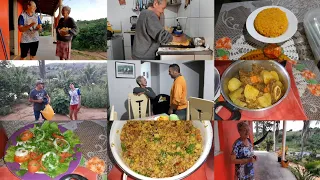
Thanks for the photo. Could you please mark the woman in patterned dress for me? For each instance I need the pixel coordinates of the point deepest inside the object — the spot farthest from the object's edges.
(242, 154)
(66, 30)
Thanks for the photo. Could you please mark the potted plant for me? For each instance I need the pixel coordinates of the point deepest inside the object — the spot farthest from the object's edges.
(285, 163)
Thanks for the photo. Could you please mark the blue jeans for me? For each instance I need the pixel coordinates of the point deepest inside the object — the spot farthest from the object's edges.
(37, 115)
(182, 114)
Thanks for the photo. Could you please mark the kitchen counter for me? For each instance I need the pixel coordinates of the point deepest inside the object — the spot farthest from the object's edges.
(198, 53)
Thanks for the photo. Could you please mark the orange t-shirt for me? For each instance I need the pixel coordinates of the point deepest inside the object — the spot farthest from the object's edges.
(178, 94)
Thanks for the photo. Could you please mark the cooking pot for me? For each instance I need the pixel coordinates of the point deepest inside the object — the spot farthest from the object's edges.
(246, 65)
(115, 144)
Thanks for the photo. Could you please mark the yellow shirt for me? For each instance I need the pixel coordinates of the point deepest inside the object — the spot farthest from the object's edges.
(178, 94)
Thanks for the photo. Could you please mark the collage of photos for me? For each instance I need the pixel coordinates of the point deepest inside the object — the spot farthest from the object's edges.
(160, 90)
(266, 90)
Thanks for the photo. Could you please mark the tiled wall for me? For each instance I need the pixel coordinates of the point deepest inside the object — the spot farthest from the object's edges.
(200, 22)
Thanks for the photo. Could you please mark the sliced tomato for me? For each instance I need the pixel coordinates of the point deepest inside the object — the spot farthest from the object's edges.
(26, 135)
(55, 135)
(65, 154)
(33, 166)
(21, 159)
(35, 155)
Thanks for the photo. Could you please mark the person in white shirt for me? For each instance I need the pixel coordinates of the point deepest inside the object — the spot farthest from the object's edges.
(75, 102)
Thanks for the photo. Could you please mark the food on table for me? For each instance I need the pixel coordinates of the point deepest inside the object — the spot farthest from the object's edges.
(163, 118)
(96, 165)
(256, 89)
(160, 149)
(185, 43)
(43, 149)
(174, 117)
(271, 22)
(269, 52)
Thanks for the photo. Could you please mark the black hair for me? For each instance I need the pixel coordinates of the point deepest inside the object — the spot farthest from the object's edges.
(175, 67)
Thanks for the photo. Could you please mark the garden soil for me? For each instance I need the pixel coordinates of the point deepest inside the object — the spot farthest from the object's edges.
(25, 112)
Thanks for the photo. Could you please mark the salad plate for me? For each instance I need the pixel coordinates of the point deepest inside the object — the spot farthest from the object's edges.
(42, 151)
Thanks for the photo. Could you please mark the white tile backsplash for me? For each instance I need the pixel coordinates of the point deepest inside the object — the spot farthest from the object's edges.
(194, 8)
(169, 22)
(207, 8)
(206, 30)
(192, 27)
(182, 12)
(170, 12)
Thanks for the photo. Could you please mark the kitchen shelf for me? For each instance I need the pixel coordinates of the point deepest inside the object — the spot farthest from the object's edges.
(176, 4)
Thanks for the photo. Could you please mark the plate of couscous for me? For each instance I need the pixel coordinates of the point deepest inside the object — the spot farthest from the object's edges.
(272, 24)
(160, 150)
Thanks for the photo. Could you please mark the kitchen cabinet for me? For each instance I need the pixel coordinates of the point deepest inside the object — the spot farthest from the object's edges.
(115, 48)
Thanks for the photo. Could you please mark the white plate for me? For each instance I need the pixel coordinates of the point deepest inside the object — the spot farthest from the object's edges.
(206, 131)
(292, 26)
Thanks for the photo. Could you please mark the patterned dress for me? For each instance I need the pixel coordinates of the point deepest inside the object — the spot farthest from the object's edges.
(243, 171)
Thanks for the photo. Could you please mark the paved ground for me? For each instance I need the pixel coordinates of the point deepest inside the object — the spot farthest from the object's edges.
(267, 167)
(47, 51)
(25, 112)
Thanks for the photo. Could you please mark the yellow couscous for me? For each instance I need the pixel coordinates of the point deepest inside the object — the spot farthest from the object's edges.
(271, 22)
(160, 149)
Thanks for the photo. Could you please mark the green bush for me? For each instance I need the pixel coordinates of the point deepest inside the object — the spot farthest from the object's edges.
(60, 102)
(92, 35)
(301, 174)
(313, 167)
(94, 96)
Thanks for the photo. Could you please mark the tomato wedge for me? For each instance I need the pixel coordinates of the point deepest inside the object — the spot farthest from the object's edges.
(35, 155)
(63, 156)
(21, 159)
(26, 135)
(57, 136)
(33, 166)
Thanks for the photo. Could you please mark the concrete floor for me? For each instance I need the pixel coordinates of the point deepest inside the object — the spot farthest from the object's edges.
(267, 167)
(46, 50)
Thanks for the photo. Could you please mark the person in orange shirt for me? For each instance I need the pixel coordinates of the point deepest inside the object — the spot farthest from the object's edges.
(178, 94)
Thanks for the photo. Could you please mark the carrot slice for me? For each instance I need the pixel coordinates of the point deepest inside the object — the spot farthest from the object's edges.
(254, 79)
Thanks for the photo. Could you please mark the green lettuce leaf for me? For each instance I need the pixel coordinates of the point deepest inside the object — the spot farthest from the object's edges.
(62, 168)
(21, 172)
(45, 126)
(9, 157)
(71, 138)
(24, 165)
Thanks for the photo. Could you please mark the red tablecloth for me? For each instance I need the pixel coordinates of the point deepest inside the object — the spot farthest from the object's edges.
(289, 109)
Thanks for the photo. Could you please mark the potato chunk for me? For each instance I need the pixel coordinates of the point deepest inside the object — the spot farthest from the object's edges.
(267, 77)
(251, 92)
(265, 100)
(236, 94)
(234, 84)
(275, 75)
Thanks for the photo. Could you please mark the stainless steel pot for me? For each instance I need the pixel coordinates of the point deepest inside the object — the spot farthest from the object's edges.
(233, 70)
